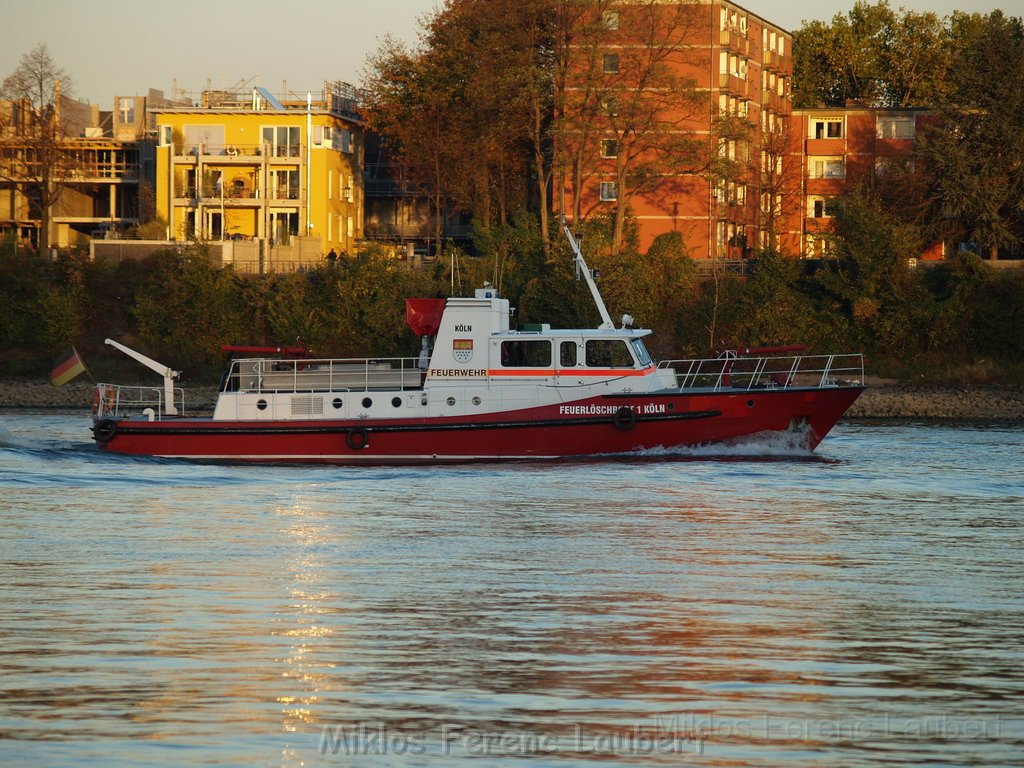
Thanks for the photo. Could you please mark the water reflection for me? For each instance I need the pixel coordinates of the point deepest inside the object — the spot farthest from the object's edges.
(838, 612)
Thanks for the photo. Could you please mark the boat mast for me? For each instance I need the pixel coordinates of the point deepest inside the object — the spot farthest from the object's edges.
(581, 264)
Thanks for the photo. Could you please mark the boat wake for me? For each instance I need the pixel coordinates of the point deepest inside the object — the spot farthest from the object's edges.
(10, 440)
(772, 445)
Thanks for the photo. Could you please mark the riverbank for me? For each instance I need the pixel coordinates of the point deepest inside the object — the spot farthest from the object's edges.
(887, 400)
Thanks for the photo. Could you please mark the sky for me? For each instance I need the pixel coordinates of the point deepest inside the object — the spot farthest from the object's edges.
(124, 47)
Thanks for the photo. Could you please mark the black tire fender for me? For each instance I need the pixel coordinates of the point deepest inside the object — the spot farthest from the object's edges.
(358, 438)
(624, 419)
(103, 431)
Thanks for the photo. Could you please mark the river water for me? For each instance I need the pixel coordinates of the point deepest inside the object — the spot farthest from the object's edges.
(860, 606)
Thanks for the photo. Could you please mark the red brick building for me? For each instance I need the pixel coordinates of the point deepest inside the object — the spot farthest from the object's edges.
(839, 147)
(728, 200)
(766, 175)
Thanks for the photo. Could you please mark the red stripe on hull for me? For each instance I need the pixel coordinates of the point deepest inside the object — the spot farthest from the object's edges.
(583, 428)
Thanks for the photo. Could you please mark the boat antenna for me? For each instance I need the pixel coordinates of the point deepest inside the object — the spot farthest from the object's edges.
(581, 266)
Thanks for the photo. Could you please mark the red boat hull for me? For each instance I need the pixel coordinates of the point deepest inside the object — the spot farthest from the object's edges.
(598, 426)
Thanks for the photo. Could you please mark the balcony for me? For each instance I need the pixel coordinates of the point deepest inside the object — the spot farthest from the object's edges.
(239, 153)
(238, 195)
(733, 83)
(732, 39)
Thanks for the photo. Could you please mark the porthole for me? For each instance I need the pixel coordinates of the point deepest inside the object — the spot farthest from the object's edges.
(450, 401)
(476, 401)
(261, 404)
(671, 406)
(337, 403)
(396, 401)
(750, 403)
(367, 402)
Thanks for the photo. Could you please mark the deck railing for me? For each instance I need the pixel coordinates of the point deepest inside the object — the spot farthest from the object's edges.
(328, 375)
(119, 401)
(781, 372)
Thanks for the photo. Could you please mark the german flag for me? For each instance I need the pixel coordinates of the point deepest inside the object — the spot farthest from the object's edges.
(66, 367)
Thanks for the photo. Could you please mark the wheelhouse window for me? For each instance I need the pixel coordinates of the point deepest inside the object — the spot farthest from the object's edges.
(568, 355)
(608, 353)
(641, 352)
(527, 353)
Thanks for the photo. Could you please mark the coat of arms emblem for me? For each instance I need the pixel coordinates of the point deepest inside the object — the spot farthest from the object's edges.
(462, 350)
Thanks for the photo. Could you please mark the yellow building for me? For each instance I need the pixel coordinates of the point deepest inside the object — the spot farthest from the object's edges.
(280, 180)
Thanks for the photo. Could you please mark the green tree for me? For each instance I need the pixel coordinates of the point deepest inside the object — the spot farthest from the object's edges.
(871, 278)
(873, 53)
(188, 308)
(974, 156)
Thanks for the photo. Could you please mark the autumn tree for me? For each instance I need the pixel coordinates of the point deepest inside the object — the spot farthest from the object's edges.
(411, 102)
(35, 158)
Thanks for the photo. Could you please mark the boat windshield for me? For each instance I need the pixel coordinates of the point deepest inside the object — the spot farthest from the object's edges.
(641, 353)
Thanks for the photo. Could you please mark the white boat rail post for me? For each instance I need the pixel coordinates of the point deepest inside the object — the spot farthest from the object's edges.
(165, 371)
(825, 372)
(759, 369)
(606, 320)
(791, 377)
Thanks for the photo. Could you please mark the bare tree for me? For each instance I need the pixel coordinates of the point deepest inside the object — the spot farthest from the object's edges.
(35, 158)
(630, 97)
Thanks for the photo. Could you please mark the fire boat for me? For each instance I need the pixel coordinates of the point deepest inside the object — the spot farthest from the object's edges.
(482, 390)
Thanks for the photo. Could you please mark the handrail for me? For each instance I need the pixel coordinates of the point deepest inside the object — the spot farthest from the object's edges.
(254, 375)
(117, 401)
(766, 372)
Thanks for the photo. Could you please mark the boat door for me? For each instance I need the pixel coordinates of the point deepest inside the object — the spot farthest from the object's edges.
(568, 359)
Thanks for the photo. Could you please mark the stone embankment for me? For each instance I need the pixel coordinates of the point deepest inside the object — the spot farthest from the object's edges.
(884, 400)
(79, 394)
(899, 401)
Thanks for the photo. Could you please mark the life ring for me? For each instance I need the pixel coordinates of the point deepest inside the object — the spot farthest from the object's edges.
(624, 419)
(104, 399)
(104, 430)
(232, 151)
(358, 438)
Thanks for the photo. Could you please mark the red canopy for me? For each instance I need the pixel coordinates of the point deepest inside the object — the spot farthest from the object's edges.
(424, 315)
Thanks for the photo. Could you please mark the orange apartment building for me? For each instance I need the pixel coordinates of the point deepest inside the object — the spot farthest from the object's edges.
(771, 186)
(837, 148)
(741, 65)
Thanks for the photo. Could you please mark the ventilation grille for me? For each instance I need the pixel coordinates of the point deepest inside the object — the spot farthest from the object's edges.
(307, 405)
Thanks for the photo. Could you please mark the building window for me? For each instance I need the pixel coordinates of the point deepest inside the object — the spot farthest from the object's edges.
(609, 191)
(283, 140)
(284, 185)
(609, 148)
(610, 19)
(610, 106)
(127, 110)
(818, 247)
(895, 127)
(826, 129)
(820, 207)
(611, 63)
(827, 167)
(209, 137)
